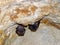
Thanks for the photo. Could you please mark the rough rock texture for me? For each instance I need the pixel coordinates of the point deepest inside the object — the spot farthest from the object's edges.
(48, 32)
(45, 35)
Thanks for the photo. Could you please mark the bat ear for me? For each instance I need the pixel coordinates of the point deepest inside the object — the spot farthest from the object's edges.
(21, 25)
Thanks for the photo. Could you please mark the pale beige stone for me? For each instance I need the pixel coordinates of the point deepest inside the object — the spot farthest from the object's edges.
(11, 12)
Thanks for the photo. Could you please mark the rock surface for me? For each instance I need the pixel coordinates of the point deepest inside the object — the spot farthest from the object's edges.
(46, 34)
